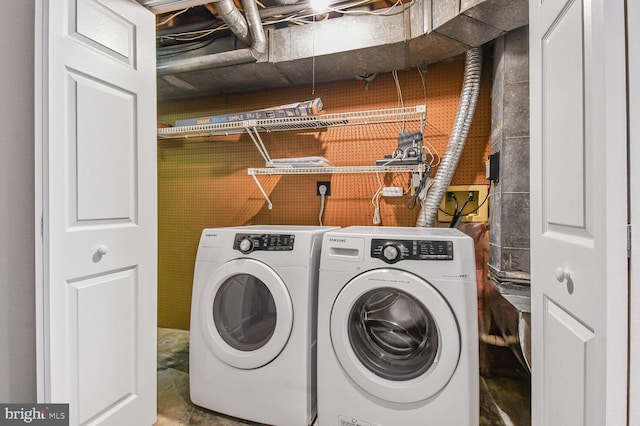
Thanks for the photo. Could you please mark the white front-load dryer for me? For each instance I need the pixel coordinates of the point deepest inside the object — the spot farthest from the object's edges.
(252, 351)
(397, 328)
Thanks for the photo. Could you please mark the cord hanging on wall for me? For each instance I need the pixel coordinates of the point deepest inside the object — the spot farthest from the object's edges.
(313, 55)
(367, 78)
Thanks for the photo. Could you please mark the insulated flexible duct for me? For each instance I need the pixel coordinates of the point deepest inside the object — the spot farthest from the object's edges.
(229, 13)
(468, 99)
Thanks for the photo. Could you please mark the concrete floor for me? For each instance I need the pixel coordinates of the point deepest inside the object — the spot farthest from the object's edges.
(504, 401)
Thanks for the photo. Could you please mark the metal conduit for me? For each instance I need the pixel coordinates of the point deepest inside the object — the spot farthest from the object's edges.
(468, 99)
(224, 59)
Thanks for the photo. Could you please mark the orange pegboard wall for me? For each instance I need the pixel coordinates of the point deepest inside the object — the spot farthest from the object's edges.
(204, 182)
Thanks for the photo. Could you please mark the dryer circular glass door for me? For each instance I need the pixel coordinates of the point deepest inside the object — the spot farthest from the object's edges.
(246, 313)
(395, 335)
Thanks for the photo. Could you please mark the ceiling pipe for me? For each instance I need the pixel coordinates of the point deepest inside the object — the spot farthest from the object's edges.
(229, 13)
(294, 6)
(224, 59)
(286, 2)
(284, 10)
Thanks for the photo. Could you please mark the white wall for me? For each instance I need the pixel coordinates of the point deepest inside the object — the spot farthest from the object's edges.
(17, 276)
(633, 35)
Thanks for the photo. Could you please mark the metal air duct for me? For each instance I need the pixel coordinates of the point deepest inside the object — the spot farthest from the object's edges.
(286, 2)
(229, 13)
(468, 98)
(223, 59)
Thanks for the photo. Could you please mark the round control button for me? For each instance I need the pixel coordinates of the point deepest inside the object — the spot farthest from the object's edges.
(391, 253)
(246, 245)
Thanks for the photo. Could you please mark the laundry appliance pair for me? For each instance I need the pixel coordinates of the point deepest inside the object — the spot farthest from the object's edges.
(389, 312)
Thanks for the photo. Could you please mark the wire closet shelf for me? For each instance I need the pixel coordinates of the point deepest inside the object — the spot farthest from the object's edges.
(255, 127)
(354, 118)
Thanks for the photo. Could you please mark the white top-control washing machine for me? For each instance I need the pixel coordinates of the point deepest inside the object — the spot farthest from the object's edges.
(252, 348)
(397, 328)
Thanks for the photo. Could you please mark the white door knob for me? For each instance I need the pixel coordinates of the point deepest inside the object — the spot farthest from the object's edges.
(102, 250)
(561, 274)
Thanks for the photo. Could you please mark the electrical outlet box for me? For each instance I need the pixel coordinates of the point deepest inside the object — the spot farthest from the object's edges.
(479, 212)
(326, 184)
(493, 167)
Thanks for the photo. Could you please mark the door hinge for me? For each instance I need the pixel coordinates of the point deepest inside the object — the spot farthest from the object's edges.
(629, 240)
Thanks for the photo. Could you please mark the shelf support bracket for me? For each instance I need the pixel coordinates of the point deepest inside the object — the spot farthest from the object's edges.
(257, 141)
(264, 194)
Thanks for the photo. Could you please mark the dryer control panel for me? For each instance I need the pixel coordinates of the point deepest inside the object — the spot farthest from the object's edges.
(247, 243)
(392, 251)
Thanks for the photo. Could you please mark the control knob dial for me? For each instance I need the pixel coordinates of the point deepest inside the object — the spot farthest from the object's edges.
(391, 253)
(246, 245)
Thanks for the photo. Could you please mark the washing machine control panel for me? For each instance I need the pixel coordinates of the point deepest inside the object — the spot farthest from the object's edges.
(392, 251)
(247, 243)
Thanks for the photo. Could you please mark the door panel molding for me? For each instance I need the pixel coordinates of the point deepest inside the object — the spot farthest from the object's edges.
(563, 166)
(98, 146)
(100, 28)
(568, 344)
(103, 335)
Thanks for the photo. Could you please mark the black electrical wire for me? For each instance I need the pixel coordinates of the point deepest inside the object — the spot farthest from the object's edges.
(413, 200)
(469, 212)
(458, 215)
(486, 197)
(455, 200)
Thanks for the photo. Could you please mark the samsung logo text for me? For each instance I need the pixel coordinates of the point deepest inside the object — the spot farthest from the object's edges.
(337, 240)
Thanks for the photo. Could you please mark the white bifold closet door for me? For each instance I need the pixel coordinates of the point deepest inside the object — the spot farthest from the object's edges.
(96, 195)
(579, 272)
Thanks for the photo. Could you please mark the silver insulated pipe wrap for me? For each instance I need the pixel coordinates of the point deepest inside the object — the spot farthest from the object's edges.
(468, 99)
